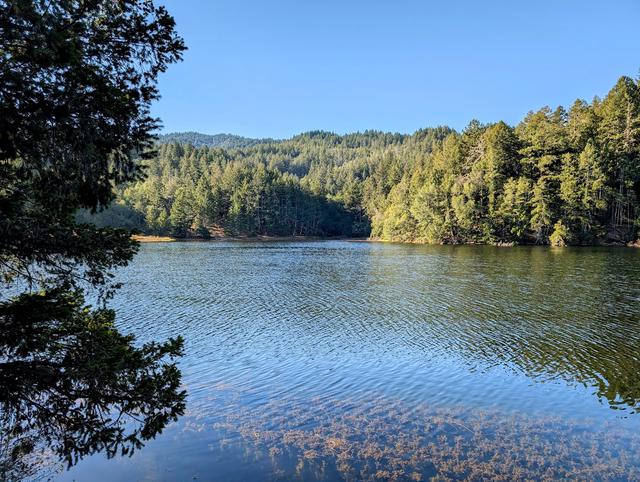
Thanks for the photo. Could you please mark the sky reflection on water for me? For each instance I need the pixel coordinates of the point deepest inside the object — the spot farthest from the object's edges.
(507, 340)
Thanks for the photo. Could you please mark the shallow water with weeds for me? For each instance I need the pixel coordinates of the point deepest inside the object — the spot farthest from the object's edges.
(338, 360)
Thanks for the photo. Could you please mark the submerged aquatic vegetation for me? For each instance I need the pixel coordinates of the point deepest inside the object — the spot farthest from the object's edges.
(383, 439)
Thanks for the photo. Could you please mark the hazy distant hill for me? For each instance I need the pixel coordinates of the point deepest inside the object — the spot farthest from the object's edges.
(227, 141)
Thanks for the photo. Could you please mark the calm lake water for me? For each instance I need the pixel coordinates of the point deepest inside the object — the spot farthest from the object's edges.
(341, 360)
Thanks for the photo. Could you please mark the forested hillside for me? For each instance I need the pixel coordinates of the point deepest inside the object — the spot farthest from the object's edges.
(558, 177)
(196, 139)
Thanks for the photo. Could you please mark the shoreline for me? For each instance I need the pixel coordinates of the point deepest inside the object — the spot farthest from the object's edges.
(144, 238)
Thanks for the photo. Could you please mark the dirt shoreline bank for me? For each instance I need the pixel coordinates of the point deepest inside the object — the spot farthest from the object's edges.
(142, 238)
(170, 239)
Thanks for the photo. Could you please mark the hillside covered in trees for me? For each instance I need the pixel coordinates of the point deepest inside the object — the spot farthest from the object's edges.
(196, 139)
(558, 177)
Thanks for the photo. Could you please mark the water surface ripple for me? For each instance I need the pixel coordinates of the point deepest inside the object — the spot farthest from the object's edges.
(523, 332)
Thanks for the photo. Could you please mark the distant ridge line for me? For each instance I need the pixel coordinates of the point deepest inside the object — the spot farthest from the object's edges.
(197, 139)
(233, 141)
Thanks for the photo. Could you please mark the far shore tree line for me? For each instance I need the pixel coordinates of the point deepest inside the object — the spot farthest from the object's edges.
(558, 177)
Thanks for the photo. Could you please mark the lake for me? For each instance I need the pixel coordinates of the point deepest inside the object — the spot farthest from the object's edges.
(337, 360)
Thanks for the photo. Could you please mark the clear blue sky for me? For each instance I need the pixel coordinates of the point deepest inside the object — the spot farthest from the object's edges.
(277, 68)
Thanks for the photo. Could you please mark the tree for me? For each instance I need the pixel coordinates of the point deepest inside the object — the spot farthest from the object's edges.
(514, 211)
(593, 187)
(560, 235)
(490, 184)
(619, 136)
(182, 212)
(541, 211)
(500, 160)
(76, 82)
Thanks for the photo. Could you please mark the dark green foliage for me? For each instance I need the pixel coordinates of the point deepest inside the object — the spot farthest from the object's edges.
(316, 184)
(76, 382)
(76, 82)
(115, 216)
(556, 178)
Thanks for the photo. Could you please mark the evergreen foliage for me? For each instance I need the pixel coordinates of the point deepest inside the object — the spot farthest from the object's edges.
(77, 79)
(196, 139)
(558, 177)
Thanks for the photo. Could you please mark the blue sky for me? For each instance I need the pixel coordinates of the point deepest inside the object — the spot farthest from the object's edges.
(278, 68)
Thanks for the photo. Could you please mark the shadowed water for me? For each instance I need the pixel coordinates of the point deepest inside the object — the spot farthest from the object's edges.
(342, 360)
